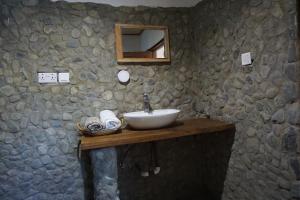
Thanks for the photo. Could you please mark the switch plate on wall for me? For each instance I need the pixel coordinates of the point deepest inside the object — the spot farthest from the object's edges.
(64, 77)
(47, 77)
(246, 59)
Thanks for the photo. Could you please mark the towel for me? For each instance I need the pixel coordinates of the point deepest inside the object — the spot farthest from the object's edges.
(109, 120)
(93, 124)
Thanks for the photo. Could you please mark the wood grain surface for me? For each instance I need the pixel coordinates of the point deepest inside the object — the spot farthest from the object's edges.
(178, 129)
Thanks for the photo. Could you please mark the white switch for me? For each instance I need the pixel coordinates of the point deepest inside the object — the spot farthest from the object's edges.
(246, 59)
(64, 77)
(47, 77)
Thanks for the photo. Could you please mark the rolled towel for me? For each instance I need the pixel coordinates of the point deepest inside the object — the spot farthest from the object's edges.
(109, 120)
(93, 124)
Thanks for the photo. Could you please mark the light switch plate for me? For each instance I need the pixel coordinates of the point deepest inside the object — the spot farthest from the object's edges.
(47, 77)
(64, 77)
(246, 59)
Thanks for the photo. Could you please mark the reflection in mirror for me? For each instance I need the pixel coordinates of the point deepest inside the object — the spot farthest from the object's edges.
(143, 43)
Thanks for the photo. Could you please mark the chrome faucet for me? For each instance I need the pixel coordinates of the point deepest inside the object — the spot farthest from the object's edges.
(147, 106)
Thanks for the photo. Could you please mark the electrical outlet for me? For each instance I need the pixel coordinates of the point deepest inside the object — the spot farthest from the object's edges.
(47, 77)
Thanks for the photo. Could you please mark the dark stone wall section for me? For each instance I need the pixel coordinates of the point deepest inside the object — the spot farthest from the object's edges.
(261, 99)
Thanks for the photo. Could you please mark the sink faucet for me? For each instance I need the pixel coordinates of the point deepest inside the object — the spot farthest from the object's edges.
(147, 106)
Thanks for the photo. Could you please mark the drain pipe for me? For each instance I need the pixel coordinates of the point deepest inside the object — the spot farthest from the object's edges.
(154, 154)
(153, 164)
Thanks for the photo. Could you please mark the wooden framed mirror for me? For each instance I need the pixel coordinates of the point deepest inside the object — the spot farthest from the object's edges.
(142, 43)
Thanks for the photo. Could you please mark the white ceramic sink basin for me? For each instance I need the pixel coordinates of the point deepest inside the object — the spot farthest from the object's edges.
(155, 119)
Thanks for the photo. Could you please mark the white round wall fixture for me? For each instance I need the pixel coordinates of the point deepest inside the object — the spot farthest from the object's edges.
(123, 76)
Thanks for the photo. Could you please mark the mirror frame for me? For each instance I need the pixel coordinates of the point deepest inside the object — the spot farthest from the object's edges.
(119, 44)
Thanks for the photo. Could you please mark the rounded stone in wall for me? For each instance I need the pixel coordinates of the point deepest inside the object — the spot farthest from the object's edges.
(119, 95)
(107, 95)
(75, 33)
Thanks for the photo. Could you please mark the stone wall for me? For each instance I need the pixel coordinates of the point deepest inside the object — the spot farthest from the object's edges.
(38, 138)
(261, 99)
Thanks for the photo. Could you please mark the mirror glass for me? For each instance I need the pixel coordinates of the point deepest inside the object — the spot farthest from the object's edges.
(142, 43)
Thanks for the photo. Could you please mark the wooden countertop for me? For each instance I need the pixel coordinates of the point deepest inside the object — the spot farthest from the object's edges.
(179, 129)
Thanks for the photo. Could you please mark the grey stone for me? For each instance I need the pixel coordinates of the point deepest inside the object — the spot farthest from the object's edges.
(96, 51)
(30, 2)
(102, 43)
(24, 122)
(12, 126)
(2, 102)
(42, 149)
(8, 90)
(278, 117)
(72, 43)
(251, 132)
(292, 53)
(61, 134)
(252, 144)
(54, 152)
(119, 96)
(46, 159)
(93, 13)
(78, 6)
(295, 189)
(264, 71)
(18, 16)
(14, 98)
(91, 76)
(49, 29)
(255, 2)
(45, 125)
(84, 41)
(15, 116)
(290, 140)
(290, 93)
(2, 82)
(16, 66)
(20, 106)
(93, 41)
(293, 114)
(107, 95)
(259, 95)
(88, 31)
(56, 116)
(75, 33)
(292, 71)
(67, 117)
(35, 164)
(35, 118)
(90, 20)
(56, 123)
(60, 161)
(272, 92)
(295, 166)
(277, 10)
(110, 40)
(64, 147)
